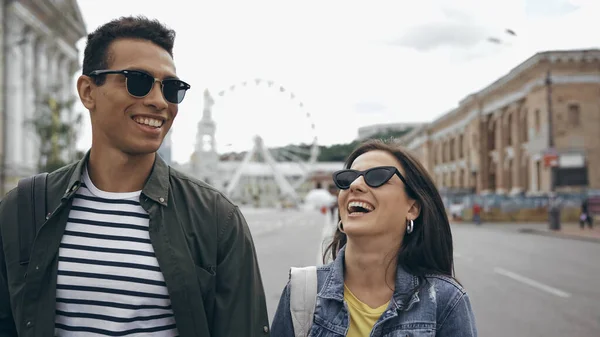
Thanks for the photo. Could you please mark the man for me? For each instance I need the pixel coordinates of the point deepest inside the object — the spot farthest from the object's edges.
(130, 246)
(477, 213)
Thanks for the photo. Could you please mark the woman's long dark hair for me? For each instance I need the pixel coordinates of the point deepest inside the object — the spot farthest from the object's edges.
(428, 249)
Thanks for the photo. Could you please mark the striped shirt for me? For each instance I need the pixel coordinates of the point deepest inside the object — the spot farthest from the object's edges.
(109, 281)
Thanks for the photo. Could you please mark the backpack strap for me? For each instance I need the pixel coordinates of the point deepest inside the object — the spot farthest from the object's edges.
(31, 198)
(303, 298)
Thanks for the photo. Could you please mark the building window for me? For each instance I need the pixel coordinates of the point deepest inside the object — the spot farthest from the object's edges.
(492, 137)
(461, 146)
(524, 128)
(445, 152)
(538, 175)
(452, 147)
(509, 130)
(509, 175)
(537, 120)
(574, 115)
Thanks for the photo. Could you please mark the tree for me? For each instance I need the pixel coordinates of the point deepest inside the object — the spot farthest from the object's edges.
(335, 152)
(57, 129)
(339, 152)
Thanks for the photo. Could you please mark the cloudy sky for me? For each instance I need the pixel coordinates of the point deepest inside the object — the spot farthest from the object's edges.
(350, 63)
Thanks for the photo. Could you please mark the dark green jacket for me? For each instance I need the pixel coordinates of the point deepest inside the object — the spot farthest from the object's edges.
(201, 240)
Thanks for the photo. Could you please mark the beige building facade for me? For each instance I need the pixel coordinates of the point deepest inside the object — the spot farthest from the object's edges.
(535, 130)
(39, 59)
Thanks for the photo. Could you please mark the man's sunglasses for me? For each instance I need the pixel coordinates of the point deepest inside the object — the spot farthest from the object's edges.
(374, 177)
(139, 84)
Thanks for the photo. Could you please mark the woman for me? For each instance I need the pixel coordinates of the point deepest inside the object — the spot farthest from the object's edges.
(392, 269)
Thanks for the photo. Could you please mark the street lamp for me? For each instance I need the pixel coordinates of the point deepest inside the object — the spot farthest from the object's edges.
(553, 206)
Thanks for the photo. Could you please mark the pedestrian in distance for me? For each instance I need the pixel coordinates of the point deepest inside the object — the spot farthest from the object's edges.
(585, 216)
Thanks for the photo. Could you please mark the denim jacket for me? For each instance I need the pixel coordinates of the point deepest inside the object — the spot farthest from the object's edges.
(435, 306)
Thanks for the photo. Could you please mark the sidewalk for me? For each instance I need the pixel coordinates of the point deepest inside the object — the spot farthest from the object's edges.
(569, 231)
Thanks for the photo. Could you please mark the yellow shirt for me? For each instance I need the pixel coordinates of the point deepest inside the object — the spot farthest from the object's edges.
(362, 316)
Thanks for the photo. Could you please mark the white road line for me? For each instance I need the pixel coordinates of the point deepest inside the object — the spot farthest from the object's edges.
(533, 283)
(461, 257)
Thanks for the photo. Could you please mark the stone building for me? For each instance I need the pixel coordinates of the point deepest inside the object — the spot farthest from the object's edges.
(39, 58)
(532, 131)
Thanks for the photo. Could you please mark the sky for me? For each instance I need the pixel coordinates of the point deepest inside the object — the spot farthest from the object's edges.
(342, 64)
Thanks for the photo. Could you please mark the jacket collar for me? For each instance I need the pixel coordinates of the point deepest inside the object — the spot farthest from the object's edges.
(405, 292)
(155, 188)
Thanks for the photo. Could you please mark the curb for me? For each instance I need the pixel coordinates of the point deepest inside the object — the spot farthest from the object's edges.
(558, 235)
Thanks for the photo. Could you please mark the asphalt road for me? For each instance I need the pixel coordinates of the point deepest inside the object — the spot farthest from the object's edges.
(519, 284)
(529, 285)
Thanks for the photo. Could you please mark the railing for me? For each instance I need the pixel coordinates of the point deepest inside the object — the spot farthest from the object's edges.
(514, 203)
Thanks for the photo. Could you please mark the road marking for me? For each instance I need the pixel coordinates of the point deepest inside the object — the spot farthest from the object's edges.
(464, 258)
(533, 283)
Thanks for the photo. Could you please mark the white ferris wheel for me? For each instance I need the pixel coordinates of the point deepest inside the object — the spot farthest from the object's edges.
(279, 132)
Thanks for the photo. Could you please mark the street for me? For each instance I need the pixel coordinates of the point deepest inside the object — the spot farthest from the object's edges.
(519, 284)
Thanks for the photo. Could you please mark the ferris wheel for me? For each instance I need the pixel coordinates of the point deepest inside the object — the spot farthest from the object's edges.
(286, 141)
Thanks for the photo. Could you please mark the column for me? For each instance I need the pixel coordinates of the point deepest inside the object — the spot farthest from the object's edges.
(64, 96)
(14, 66)
(52, 81)
(535, 187)
(500, 148)
(41, 52)
(41, 78)
(29, 135)
(484, 155)
(517, 143)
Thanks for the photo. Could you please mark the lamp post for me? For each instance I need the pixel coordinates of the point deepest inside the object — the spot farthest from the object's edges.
(553, 205)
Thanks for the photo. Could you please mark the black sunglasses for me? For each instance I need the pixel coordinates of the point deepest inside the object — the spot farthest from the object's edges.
(139, 84)
(374, 177)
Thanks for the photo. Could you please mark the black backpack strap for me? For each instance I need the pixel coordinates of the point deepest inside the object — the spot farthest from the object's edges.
(31, 198)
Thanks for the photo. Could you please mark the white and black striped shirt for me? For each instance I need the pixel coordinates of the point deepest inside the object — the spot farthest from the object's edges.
(109, 282)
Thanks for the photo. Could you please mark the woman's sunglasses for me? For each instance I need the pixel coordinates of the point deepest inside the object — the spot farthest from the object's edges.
(374, 177)
(139, 84)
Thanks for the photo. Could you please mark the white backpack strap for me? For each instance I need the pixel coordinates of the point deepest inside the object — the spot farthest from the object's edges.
(303, 298)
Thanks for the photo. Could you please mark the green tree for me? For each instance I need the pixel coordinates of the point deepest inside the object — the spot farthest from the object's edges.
(339, 152)
(336, 152)
(57, 129)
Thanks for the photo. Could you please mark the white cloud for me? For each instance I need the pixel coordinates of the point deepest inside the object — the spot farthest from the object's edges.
(337, 55)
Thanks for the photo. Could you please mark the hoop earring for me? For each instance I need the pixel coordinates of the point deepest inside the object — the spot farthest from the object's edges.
(410, 226)
(340, 226)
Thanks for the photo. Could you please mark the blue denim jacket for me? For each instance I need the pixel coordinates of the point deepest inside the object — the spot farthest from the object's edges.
(440, 307)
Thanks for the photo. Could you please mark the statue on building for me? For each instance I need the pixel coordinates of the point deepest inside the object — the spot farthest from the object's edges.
(208, 104)
(206, 160)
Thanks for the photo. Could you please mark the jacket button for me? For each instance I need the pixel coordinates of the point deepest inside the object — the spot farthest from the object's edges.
(29, 324)
(161, 199)
(265, 329)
